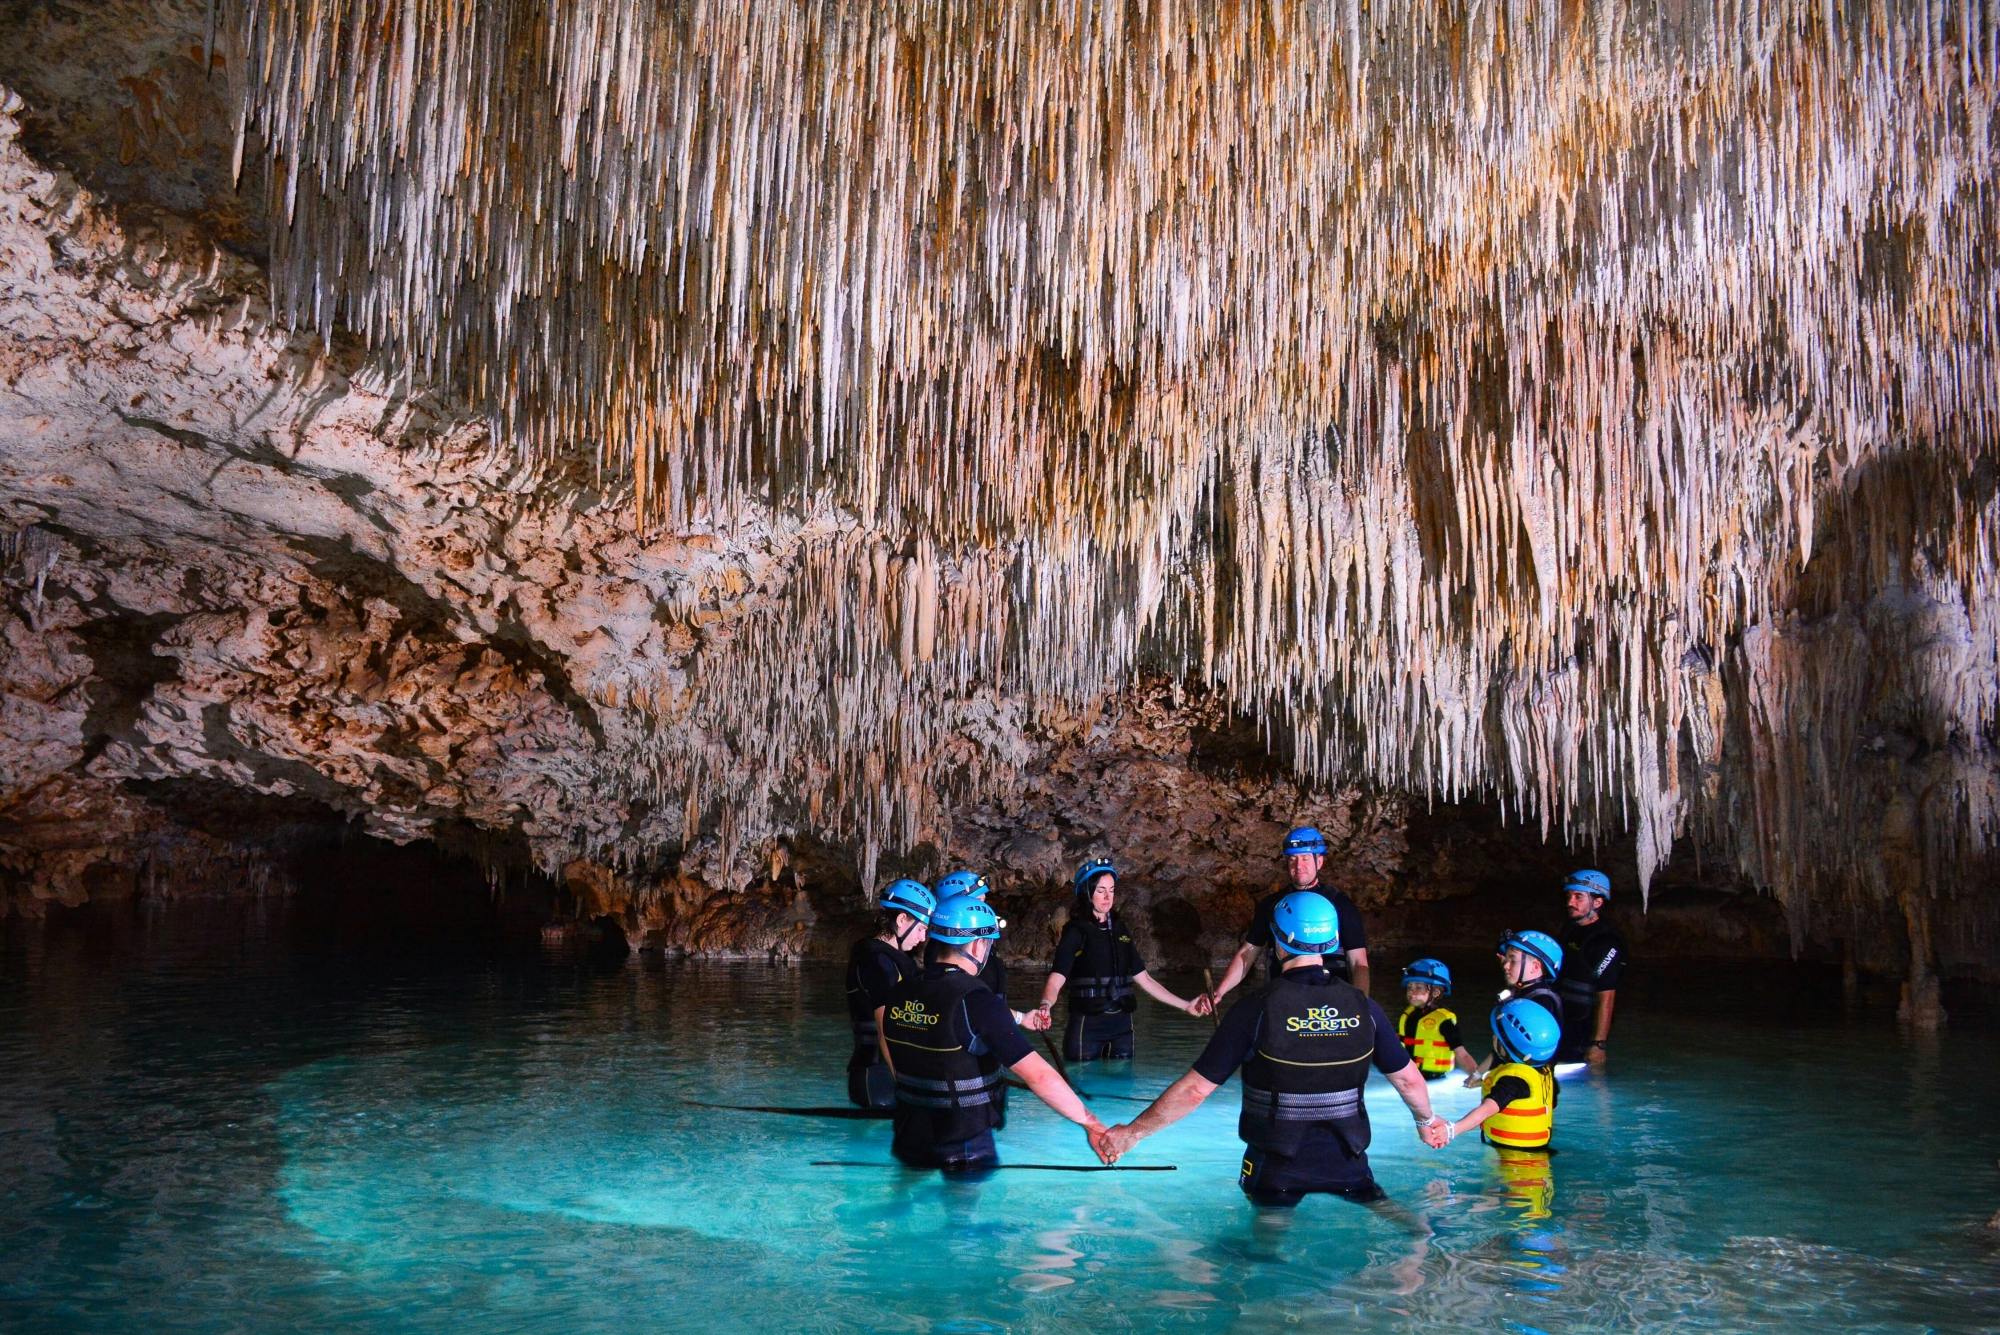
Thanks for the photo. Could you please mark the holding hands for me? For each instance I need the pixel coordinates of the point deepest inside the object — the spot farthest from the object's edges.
(1110, 1143)
(1437, 1132)
(1037, 1019)
(1203, 1004)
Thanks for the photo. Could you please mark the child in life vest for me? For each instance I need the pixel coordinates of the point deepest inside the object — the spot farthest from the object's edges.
(1427, 1029)
(1518, 1112)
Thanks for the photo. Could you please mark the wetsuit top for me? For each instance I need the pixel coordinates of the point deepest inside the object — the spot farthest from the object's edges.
(1509, 1088)
(1353, 936)
(948, 1037)
(994, 975)
(1099, 961)
(874, 969)
(1593, 957)
(1304, 1043)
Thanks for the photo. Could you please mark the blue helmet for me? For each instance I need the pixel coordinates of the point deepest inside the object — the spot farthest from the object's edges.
(962, 882)
(1305, 839)
(1429, 971)
(1086, 876)
(1305, 924)
(1526, 1031)
(1538, 946)
(1590, 882)
(907, 896)
(963, 919)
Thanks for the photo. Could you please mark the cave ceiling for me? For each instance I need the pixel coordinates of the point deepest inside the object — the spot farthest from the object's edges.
(627, 427)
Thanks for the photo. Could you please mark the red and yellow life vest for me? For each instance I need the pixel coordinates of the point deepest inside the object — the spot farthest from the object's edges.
(1525, 1123)
(1425, 1038)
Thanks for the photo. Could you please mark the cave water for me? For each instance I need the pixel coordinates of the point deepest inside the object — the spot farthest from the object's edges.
(224, 1133)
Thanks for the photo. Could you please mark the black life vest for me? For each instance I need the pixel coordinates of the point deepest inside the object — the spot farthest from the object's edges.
(1314, 1044)
(861, 1003)
(947, 1085)
(1583, 949)
(1542, 992)
(1101, 986)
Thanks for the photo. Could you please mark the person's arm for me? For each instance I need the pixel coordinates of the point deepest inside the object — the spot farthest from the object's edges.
(1152, 988)
(1600, 1019)
(1416, 1096)
(1175, 1102)
(882, 1039)
(1505, 1091)
(1357, 967)
(1042, 1080)
(1052, 989)
(1239, 964)
(1461, 1060)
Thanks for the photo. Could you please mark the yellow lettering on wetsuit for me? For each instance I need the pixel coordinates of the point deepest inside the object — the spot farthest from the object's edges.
(912, 1012)
(1322, 1020)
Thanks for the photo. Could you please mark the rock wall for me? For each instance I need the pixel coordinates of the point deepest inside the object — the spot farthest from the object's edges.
(262, 592)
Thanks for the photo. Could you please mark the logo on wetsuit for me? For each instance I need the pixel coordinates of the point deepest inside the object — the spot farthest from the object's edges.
(912, 1012)
(1322, 1020)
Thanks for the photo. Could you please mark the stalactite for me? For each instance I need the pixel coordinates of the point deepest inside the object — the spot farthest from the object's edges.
(1468, 393)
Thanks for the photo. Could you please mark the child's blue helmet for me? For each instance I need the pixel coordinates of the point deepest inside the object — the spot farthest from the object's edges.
(1429, 971)
(1526, 1031)
(1538, 946)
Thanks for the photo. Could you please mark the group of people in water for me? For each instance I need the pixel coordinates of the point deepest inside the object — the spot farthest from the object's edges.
(936, 1041)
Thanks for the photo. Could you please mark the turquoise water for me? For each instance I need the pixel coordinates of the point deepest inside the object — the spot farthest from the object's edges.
(205, 1130)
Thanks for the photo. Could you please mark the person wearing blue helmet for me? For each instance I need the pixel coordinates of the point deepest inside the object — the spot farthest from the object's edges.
(1305, 855)
(1593, 957)
(1531, 960)
(876, 966)
(1428, 1030)
(1518, 1110)
(947, 1039)
(1305, 1043)
(1095, 957)
(973, 885)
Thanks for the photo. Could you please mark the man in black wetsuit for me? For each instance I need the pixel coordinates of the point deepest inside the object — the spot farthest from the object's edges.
(1101, 966)
(947, 1038)
(1305, 853)
(875, 967)
(1305, 1043)
(1593, 957)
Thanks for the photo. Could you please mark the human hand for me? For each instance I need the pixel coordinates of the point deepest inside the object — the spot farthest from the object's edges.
(1473, 1081)
(1101, 1144)
(1436, 1133)
(1035, 1021)
(1595, 1056)
(1203, 1004)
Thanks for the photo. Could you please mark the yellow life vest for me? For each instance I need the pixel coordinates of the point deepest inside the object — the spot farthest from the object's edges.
(1528, 1179)
(1425, 1038)
(1525, 1123)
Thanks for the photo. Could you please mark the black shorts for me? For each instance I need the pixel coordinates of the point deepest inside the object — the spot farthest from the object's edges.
(963, 1159)
(1273, 1180)
(1089, 1037)
(870, 1084)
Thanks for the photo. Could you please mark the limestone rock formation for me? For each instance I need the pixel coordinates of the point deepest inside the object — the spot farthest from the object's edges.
(721, 480)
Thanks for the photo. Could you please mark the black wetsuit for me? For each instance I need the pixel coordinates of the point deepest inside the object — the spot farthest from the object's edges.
(1098, 960)
(1305, 1043)
(1593, 957)
(950, 1039)
(874, 970)
(1353, 932)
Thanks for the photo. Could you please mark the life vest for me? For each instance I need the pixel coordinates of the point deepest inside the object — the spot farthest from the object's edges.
(1528, 1177)
(1100, 985)
(1313, 1046)
(1422, 1033)
(947, 1084)
(1524, 1124)
(1583, 953)
(1543, 993)
(861, 1003)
